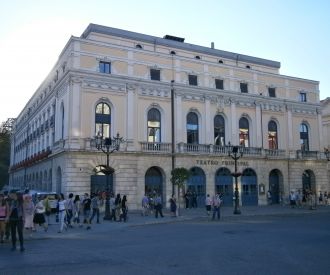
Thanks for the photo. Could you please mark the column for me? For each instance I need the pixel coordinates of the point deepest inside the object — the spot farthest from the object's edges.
(207, 122)
(259, 126)
(320, 131)
(179, 130)
(130, 118)
(289, 122)
(234, 123)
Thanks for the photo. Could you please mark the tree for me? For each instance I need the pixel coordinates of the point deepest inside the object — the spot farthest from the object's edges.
(4, 153)
(179, 177)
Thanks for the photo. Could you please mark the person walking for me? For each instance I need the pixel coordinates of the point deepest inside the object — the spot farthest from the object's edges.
(69, 210)
(118, 206)
(123, 210)
(62, 212)
(86, 204)
(208, 204)
(292, 198)
(15, 216)
(216, 206)
(173, 206)
(113, 207)
(145, 205)
(158, 206)
(3, 215)
(39, 216)
(76, 210)
(269, 197)
(29, 209)
(95, 202)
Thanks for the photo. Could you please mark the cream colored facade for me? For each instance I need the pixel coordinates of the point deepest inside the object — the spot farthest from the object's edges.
(51, 145)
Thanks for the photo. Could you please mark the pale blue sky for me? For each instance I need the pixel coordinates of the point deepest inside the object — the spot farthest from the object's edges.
(33, 33)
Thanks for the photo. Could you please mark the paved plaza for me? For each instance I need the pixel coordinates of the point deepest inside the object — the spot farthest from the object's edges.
(262, 240)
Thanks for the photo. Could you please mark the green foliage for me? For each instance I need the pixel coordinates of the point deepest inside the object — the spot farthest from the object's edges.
(179, 176)
(4, 156)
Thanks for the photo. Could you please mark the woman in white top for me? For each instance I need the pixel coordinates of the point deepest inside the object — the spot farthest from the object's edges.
(208, 203)
(62, 212)
(39, 216)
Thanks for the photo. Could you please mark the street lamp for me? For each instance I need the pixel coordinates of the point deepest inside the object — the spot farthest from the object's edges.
(107, 145)
(236, 152)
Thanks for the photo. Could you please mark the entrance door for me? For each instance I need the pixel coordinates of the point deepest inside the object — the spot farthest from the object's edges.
(101, 183)
(249, 187)
(274, 186)
(153, 182)
(196, 183)
(224, 185)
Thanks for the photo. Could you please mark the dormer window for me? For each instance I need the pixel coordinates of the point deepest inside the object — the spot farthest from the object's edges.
(105, 67)
(192, 79)
(138, 46)
(220, 61)
(173, 52)
(248, 66)
(197, 57)
(303, 97)
(155, 74)
(271, 92)
(244, 87)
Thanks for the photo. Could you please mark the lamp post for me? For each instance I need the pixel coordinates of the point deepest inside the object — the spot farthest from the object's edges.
(236, 152)
(107, 145)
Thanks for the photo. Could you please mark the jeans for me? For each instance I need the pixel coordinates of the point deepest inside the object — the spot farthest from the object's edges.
(16, 225)
(216, 210)
(62, 215)
(96, 212)
(69, 215)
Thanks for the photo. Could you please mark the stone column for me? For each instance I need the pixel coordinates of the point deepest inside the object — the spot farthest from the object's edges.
(259, 126)
(179, 125)
(130, 118)
(234, 131)
(320, 129)
(207, 122)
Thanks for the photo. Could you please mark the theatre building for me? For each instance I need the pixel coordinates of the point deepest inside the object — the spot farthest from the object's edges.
(110, 81)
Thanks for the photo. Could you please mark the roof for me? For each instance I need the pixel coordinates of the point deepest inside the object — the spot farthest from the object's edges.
(176, 44)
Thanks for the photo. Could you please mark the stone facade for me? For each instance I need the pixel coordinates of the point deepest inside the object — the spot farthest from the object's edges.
(110, 68)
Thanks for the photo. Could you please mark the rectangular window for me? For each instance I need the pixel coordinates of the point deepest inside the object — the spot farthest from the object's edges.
(192, 80)
(219, 84)
(303, 97)
(244, 87)
(155, 74)
(271, 92)
(105, 67)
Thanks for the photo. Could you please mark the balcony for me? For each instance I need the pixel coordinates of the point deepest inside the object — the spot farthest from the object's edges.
(308, 154)
(155, 147)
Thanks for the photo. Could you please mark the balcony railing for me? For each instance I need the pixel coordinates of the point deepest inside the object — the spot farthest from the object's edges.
(155, 147)
(307, 154)
(275, 153)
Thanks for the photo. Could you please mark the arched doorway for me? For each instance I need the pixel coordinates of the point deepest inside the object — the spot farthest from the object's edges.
(153, 182)
(308, 181)
(100, 181)
(249, 187)
(275, 185)
(59, 180)
(196, 183)
(224, 185)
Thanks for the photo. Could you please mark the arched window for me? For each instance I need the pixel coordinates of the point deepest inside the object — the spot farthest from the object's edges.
(102, 119)
(304, 142)
(244, 132)
(192, 128)
(219, 130)
(272, 135)
(154, 125)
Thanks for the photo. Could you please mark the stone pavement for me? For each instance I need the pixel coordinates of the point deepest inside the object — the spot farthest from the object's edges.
(197, 214)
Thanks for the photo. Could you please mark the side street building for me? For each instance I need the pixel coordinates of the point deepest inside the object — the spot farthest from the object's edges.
(110, 81)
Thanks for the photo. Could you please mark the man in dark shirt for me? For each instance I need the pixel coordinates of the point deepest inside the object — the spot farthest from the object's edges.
(87, 210)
